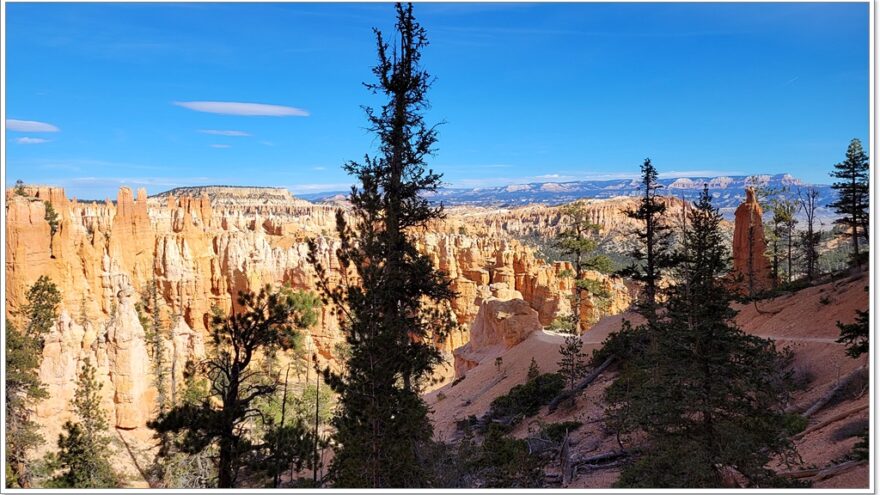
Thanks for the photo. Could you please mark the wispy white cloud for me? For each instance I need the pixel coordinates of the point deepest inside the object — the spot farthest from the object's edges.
(29, 126)
(30, 140)
(481, 182)
(552, 177)
(246, 109)
(313, 188)
(319, 168)
(220, 146)
(215, 132)
(139, 181)
(674, 174)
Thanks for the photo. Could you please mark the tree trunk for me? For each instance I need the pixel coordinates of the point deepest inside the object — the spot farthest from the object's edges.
(21, 474)
(225, 464)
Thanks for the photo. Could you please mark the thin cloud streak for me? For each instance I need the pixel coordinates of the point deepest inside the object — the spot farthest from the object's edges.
(319, 188)
(562, 178)
(29, 126)
(215, 132)
(243, 109)
(140, 181)
(30, 140)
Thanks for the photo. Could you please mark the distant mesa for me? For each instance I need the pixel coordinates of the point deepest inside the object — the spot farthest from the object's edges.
(229, 195)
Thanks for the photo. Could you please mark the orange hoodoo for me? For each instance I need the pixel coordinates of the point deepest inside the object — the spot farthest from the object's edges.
(750, 265)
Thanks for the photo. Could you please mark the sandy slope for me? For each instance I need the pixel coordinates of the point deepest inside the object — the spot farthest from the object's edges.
(804, 322)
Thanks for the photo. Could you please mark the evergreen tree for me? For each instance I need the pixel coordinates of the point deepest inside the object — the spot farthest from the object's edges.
(809, 239)
(706, 395)
(157, 343)
(573, 361)
(396, 310)
(856, 335)
(24, 352)
(173, 467)
(268, 321)
(19, 188)
(51, 217)
(783, 234)
(83, 447)
(853, 195)
(534, 371)
(653, 253)
(577, 242)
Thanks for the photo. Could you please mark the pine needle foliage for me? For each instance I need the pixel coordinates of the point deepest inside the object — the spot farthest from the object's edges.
(853, 195)
(223, 418)
(395, 305)
(652, 253)
(84, 445)
(24, 351)
(704, 394)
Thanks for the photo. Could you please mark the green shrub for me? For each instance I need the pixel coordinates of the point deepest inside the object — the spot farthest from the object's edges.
(502, 462)
(526, 399)
(624, 343)
(849, 430)
(555, 432)
(794, 423)
(861, 451)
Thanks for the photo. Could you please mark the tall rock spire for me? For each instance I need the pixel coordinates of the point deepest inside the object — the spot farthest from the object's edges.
(750, 265)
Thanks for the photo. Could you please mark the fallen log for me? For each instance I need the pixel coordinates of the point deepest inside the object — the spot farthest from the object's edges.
(824, 473)
(565, 455)
(841, 468)
(832, 419)
(602, 458)
(802, 473)
(580, 385)
(831, 392)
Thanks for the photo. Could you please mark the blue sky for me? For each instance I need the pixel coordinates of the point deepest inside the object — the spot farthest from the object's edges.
(103, 95)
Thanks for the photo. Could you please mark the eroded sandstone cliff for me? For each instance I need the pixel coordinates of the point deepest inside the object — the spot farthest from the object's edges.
(199, 252)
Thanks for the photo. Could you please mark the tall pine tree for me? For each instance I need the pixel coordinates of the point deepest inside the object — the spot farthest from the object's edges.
(396, 309)
(578, 243)
(810, 237)
(853, 195)
(706, 395)
(653, 252)
(24, 352)
(83, 447)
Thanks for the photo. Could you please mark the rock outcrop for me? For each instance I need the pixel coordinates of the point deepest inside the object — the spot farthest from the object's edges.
(504, 320)
(104, 258)
(750, 266)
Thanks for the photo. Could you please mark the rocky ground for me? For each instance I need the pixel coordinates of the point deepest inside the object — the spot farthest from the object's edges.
(803, 321)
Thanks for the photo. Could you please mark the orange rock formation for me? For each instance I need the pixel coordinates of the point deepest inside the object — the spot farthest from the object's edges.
(750, 265)
(104, 256)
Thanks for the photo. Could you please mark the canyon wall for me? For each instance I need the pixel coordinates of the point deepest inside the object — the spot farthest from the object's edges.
(199, 251)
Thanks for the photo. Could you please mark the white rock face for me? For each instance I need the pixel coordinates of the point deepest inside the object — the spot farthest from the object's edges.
(129, 365)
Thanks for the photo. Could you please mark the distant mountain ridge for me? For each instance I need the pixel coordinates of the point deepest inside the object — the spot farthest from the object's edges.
(727, 192)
